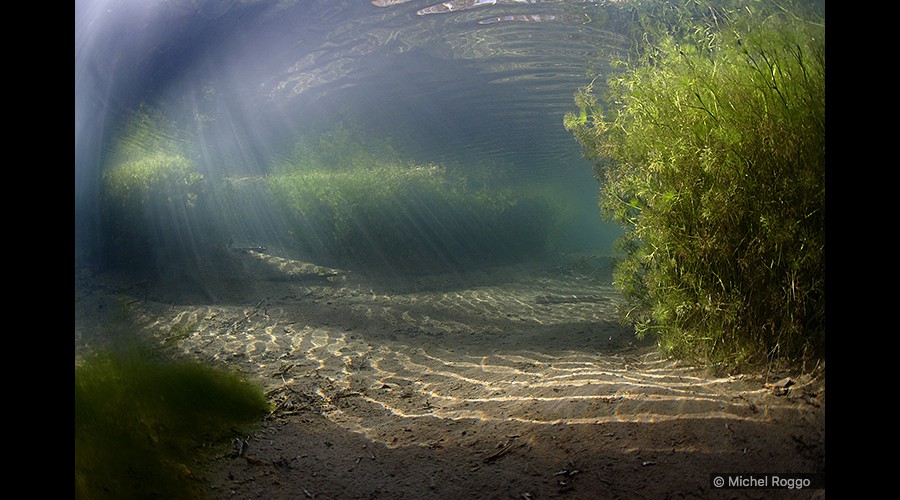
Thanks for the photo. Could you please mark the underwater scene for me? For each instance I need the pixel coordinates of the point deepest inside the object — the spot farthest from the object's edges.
(407, 249)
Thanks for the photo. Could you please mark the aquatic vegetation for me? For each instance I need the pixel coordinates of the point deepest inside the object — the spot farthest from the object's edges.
(154, 202)
(142, 422)
(711, 153)
(404, 217)
(408, 218)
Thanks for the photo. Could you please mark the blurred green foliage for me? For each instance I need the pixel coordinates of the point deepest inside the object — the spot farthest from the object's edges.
(341, 148)
(710, 151)
(155, 213)
(143, 423)
(353, 204)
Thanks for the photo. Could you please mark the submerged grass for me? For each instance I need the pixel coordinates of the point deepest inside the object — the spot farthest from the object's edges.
(156, 211)
(408, 218)
(711, 154)
(142, 422)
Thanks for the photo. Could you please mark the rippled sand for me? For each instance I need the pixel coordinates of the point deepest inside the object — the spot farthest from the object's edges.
(524, 361)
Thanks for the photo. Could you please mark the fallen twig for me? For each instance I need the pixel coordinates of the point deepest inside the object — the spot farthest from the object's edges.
(503, 451)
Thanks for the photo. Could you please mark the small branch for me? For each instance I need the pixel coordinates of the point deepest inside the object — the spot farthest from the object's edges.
(503, 451)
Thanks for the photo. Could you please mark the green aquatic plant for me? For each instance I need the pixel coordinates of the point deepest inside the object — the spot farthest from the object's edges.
(143, 423)
(155, 204)
(404, 216)
(711, 153)
(343, 147)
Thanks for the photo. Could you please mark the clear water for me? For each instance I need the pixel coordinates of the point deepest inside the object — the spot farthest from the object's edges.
(479, 86)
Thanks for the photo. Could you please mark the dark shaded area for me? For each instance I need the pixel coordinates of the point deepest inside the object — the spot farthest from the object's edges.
(615, 460)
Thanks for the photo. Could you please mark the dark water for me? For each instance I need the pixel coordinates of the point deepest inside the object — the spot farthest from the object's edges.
(476, 85)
